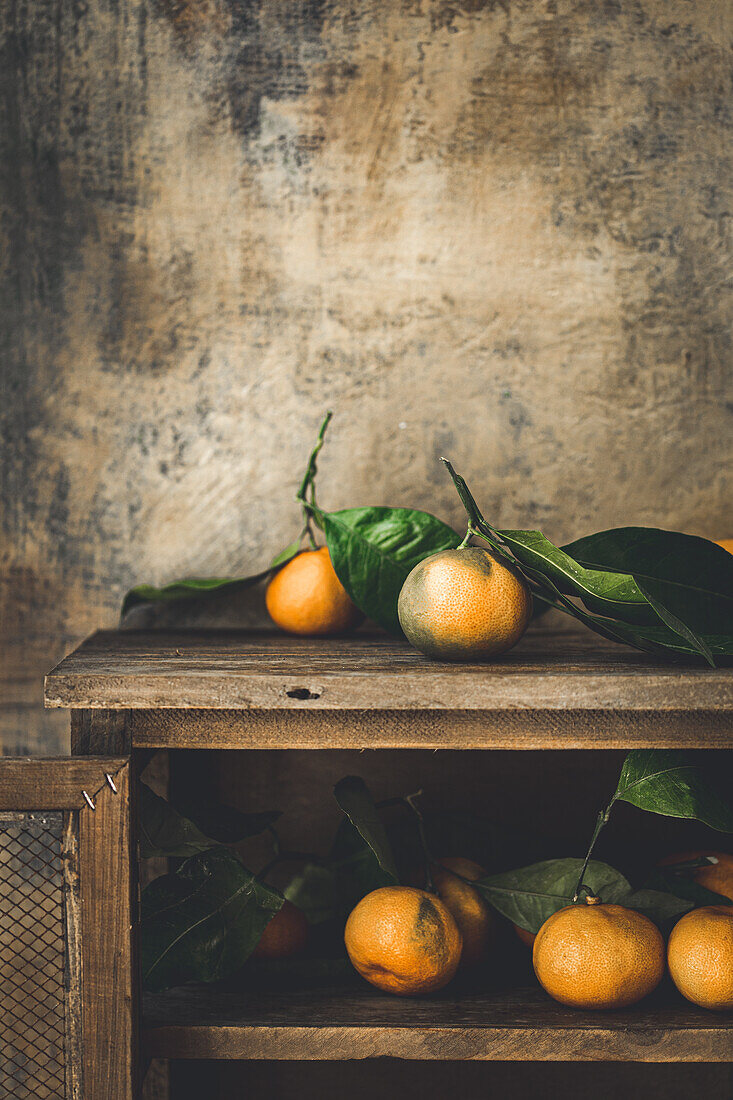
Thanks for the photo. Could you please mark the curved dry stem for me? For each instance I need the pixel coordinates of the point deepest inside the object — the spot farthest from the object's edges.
(307, 485)
(306, 494)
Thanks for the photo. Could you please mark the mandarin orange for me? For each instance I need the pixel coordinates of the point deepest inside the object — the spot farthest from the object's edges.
(306, 596)
(700, 956)
(464, 605)
(717, 877)
(472, 914)
(403, 940)
(285, 934)
(593, 955)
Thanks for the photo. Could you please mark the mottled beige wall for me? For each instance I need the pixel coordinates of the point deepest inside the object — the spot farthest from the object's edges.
(497, 230)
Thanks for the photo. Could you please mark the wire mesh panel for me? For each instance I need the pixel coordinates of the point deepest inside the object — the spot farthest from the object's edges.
(31, 957)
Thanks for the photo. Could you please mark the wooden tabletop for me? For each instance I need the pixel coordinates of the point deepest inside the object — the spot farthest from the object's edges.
(373, 672)
(519, 1024)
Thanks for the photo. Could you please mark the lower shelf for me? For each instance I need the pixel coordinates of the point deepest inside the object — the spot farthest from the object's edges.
(357, 1022)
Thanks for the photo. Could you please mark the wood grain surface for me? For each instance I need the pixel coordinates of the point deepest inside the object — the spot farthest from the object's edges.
(54, 784)
(430, 729)
(99, 733)
(110, 1017)
(520, 1024)
(73, 976)
(263, 670)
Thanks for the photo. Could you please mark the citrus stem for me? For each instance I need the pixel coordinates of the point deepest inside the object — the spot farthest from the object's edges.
(427, 857)
(306, 493)
(546, 599)
(467, 537)
(308, 530)
(477, 525)
(601, 820)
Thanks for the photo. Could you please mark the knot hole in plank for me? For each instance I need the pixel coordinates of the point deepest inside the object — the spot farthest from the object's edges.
(302, 693)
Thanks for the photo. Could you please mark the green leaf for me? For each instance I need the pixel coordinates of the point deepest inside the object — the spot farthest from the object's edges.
(202, 923)
(314, 889)
(676, 625)
(291, 551)
(660, 906)
(689, 576)
(610, 594)
(529, 895)
(188, 589)
(165, 832)
(674, 785)
(657, 639)
(720, 645)
(198, 587)
(226, 825)
(374, 549)
(663, 641)
(684, 886)
(352, 795)
(641, 598)
(355, 866)
(614, 630)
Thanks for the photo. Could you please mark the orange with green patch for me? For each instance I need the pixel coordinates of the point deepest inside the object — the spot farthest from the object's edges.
(464, 605)
(403, 940)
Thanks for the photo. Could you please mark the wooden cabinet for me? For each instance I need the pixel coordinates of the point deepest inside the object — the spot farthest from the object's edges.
(209, 696)
(68, 1028)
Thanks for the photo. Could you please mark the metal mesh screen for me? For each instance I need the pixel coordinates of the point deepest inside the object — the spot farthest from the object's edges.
(31, 957)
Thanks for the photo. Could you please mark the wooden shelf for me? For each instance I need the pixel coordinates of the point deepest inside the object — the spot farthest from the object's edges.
(269, 690)
(359, 1022)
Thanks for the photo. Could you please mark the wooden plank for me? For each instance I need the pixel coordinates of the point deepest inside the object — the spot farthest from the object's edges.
(156, 1075)
(28, 783)
(516, 1025)
(109, 989)
(72, 968)
(455, 729)
(264, 670)
(99, 733)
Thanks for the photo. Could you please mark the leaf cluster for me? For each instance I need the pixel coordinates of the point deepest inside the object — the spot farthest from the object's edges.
(662, 592)
(658, 781)
(202, 921)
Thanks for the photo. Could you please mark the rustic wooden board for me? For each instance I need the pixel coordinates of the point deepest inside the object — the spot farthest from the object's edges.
(262, 670)
(454, 729)
(99, 733)
(517, 1025)
(73, 975)
(54, 784)
(108, 923)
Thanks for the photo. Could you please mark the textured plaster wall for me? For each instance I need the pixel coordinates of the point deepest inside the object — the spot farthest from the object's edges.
(498, 230)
